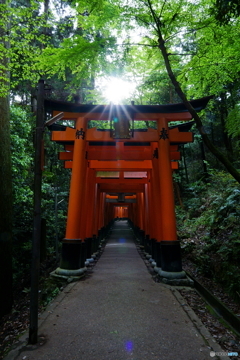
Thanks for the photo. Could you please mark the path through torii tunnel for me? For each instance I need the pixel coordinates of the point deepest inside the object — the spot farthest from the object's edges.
(122, 173)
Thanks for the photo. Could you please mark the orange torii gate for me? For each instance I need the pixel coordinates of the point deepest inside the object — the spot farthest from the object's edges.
(122, 172)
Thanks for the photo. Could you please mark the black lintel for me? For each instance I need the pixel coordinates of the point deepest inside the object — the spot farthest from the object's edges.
(198, 105)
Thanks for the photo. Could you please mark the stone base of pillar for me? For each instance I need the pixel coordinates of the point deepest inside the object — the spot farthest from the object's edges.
(171, 275)
(178, 282)
(174, 278)
(158, 253)
(70, 273)
(153, 248)
(171, 260)
(73, 260)
(73, 255)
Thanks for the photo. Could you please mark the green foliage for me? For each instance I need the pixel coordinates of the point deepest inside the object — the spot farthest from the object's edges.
(99, 124)
(215, 62)
(225, 11)
(209, 229)
(49, 290)
(233, 122)
(22, 42)
(22, 177)
(22, 159)
(89, 50)
(54, 189)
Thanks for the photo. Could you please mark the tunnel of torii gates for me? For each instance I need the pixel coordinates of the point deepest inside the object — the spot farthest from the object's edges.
(122, 172)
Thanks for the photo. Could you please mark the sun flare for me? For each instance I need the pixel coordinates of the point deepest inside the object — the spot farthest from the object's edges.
(116, 90)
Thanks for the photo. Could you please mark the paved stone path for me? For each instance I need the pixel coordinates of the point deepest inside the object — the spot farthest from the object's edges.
(118, 313)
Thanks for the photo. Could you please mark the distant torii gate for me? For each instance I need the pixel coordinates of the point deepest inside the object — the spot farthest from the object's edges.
(122, 172)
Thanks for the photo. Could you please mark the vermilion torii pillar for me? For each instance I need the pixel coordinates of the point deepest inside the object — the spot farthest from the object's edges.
(151, 151)
(71, 261)
(89, 204)
(170, 246)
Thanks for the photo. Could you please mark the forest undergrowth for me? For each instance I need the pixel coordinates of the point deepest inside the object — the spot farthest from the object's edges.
(14, 324)
(209, 230)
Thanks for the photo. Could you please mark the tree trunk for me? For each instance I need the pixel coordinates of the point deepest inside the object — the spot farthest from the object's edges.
(223, 116)
(203, 157)
(33, 326)
(178, 194)
(5, 180)
(221, 157)
(5, 210)
(185, 165)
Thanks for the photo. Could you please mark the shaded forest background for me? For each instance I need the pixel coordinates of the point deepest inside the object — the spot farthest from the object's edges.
(71, 46)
